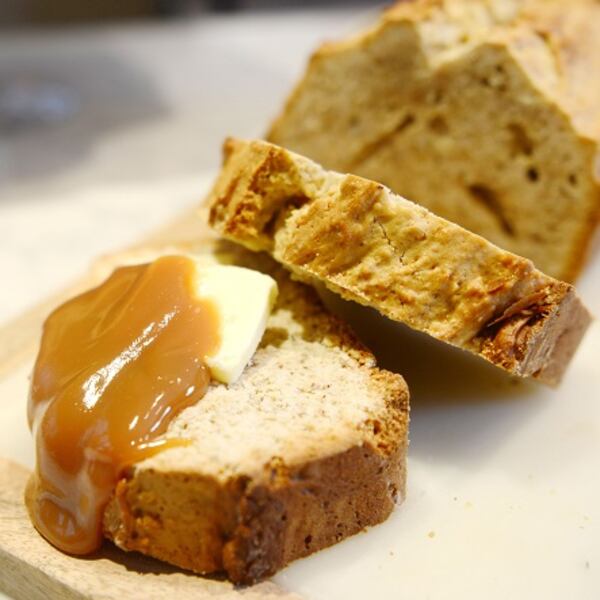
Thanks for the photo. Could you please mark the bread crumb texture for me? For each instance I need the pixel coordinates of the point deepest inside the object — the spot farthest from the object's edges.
(381, 250)
(484, 111)
(306, 448)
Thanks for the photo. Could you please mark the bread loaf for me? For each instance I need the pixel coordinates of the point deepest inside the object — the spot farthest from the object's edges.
(376, 248)
(487, 112)
(305, 449)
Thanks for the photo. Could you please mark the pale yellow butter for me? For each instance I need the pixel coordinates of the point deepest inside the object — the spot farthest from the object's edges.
(244, 299)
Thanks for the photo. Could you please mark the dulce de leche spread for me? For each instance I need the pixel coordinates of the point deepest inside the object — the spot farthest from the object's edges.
(116, 364)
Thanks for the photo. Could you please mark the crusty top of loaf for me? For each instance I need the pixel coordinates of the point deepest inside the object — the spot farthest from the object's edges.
(556, 47)
(427, 272)
(311, 390)
(484, 111)
(382, 250)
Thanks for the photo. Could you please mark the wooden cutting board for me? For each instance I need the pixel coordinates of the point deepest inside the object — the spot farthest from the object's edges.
(32, 569)
(503, 494)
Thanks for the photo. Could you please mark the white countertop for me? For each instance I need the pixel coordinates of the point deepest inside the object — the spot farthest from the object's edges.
(152, 104)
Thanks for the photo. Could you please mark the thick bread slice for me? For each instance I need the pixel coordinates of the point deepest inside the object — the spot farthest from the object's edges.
(381, 250)
(307, 448)
(487, 112)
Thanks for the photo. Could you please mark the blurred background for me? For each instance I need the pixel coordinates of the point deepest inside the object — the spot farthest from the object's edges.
(129, 88)
(75, 77)
(70, 11)
(112, 115)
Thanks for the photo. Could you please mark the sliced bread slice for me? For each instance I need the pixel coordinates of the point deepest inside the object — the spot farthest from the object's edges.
(484, 111)
(305, 449)
(380, 250)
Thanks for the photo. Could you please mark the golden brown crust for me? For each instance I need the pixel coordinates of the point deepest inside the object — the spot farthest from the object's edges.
(251, 524)
(386, 252)
(251, 529)
(407, 102)
(311, 507)
(540, 338)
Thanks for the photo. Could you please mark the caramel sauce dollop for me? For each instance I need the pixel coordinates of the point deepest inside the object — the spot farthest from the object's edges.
(115, 365)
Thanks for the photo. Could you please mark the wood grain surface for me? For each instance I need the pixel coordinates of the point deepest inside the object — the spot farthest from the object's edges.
(30, 568)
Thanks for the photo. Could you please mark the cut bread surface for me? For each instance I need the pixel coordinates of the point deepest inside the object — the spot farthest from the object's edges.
(484, 111)
(379, 249)
(306, 448)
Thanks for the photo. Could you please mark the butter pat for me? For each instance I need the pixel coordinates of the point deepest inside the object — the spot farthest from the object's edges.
(244, 299)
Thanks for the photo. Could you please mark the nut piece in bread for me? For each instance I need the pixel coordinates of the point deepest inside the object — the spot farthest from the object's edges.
(487, 112)
(305, 449)
(381, 250)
